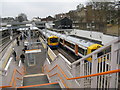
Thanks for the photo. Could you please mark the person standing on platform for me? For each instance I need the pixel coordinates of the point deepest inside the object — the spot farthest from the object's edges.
(17, 38)
(17, 42)
(14, 54)
(21, 38)
(25, 48)
(22, 56)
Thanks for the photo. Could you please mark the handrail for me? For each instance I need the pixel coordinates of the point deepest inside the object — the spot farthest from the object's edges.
(37, 85)
(19, 72)
(13, 77)
(60, 78)
(52, 68)
(18, 78)
(5, 86)
(60, 71)
(57, 74)
(97, 74)
(14, 72)
(23, 70)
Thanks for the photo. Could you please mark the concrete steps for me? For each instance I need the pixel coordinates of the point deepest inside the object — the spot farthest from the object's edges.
(38, 81)
(35, 79)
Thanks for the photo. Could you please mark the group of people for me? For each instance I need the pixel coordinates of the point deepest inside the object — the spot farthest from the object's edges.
(18, 42)
(22, 56)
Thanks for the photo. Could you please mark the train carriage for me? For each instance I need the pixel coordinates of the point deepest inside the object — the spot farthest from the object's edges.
(79, 46)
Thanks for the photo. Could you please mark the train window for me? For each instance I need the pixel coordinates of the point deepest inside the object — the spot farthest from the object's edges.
(108, 50)
(81, 51)
(53, 40)
(70, 45)
(85, 52)
(93, 50)
(100, 54)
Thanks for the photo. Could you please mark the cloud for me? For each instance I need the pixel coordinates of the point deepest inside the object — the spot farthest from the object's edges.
(41, 9)
(42, 0)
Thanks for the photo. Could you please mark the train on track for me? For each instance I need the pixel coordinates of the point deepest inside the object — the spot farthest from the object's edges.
(80, 47)
(52, 40)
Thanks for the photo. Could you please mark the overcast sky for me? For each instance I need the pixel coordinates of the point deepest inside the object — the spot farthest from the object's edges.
(33, 8)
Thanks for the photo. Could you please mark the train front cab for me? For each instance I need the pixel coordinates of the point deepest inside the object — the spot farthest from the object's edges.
(91, 49)
(53, 42)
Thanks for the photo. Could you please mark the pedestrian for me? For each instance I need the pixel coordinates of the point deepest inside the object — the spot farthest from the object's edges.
(14, 54)
(17, 42)
(17, 38)
(38, 42)
(21, 38)
(22, 56)
(25, 48)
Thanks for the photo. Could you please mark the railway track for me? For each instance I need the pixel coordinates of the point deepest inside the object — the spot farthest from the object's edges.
(65, 54)
(5, 42)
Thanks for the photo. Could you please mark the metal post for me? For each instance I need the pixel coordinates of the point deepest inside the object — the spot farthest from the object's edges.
(113, 65)
(74, 70)
(29, 38)
(94, 71)
(82, 74)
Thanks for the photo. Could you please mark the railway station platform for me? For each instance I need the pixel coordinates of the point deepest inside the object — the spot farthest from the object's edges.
(9, 62)
(39, 54)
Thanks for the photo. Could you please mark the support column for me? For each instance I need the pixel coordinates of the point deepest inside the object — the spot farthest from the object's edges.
(113, 66)
(94, 71)
(82, 74)
(74, 70)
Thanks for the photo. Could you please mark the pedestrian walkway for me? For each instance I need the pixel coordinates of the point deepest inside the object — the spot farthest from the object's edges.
(38, 57)
(18, 50)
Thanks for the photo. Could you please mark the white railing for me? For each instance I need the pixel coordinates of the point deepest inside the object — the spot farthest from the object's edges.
(106, 62)
(99, 73)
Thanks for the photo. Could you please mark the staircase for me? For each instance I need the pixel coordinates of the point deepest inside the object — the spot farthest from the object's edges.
(38, 81)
